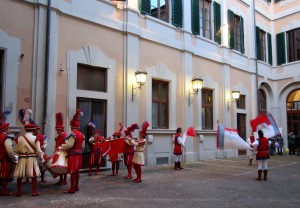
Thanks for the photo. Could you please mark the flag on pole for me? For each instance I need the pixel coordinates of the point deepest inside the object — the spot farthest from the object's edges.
(189, 132)
(266, 123)
(230, 139)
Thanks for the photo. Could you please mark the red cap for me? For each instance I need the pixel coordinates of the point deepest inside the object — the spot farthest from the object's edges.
(75, 122)
(31, 125)
(59, 121)
(4, 126)
(118, 133)
(143, 131)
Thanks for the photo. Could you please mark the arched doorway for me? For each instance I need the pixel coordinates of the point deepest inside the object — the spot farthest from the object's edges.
(293, 111)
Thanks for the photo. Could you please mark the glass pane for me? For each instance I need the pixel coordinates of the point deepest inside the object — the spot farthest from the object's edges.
(85, 107)
(163, 91)
(209, 119)
(154, 90)
(203, 118)
(99, 116)
(163, 115)
(154, 115)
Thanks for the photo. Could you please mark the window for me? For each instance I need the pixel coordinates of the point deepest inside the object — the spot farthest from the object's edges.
(95, 110)
(280, 43)
(1, 78)
(261, 45)
(236, 32)
(262, 104)
(207, 109)
(160, 104)
(262, 40)
(241, 102)
(91, 78)
(293, 45)
(205, 18)
(160, 9)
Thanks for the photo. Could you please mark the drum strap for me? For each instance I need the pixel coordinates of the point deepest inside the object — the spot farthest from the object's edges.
(29, 143)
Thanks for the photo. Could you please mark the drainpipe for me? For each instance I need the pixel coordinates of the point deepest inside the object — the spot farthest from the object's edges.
(47, 57)
(255, 55)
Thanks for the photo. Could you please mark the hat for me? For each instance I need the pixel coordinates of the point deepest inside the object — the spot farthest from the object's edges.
(97, 131)
(118, 133)
(75, 122)
(131, 129)
(59, 121)
(94, 126)
(30, 125)
(143, 131)
(25, 115)
(3, 117)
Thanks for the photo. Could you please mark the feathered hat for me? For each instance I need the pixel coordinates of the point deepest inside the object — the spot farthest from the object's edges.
(30, 125)
(3, 117)
(118, 133)
(59, 121)
(143, 130)
(94, 126)
(131, 129)
(75, 121)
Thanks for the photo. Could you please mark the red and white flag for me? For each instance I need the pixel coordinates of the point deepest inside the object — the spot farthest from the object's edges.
(266, 123)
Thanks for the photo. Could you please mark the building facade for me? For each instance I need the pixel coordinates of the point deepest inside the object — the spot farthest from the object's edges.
(59, 55)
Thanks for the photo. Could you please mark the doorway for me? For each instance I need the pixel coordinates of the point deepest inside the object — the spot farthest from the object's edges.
(241, 127)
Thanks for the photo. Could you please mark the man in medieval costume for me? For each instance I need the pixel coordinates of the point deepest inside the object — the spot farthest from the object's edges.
(95, 151)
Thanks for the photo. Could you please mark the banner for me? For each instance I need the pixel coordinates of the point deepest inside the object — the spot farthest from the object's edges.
(266, 123)
(230, 139)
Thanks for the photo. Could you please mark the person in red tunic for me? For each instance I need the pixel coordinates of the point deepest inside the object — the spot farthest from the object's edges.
(73, 146)
(95, 151)
(43, 142)
(178, 144)
(262, 155)
(59, 140)
(7, 155)
(115, 158)
(129, 149)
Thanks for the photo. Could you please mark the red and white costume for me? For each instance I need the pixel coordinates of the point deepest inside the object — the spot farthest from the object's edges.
(73, 146)
(116, 158)
(7, 157)
(95, 151)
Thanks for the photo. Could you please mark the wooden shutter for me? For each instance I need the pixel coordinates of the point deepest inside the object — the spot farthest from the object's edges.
(195, 17)
(145, 6)
(280, 44)
(258, 51)
(231, 29)
(217, 22)
(242, 34)
(177, 13)
(270, 59)
(277, 1)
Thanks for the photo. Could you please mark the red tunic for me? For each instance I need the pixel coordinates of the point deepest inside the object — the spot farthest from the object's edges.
(74, 153)
(128, 153)
(59, 140)
(177, 147)
(5, 161)
(41, 138)
(262, 149)
(95, 150)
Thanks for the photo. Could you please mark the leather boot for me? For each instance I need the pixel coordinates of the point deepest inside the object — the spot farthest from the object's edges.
(90, 170)
(265, 174)
(34, 187)
(259, 172)
(117, 167)
(139, 174)
(19, 184)
(176, 166)
(43, 177)
(135, 166)
(4, 191)
(72, 189)
(77, 181)
(129, 170)
(113, 167)
(179, 165)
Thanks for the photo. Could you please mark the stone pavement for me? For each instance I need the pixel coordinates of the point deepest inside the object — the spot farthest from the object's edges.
(227, 182)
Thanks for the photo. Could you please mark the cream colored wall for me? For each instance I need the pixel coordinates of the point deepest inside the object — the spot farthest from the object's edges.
(287, 23)
(23, 30)
(285, 5)
(263, 23)
(108, 41)
(263, 6)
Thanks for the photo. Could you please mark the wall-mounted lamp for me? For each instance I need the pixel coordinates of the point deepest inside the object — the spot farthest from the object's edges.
(197, 84)
(140, 76)
(235, 96)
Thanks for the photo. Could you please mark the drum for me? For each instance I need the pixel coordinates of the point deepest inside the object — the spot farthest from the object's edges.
(58, 163)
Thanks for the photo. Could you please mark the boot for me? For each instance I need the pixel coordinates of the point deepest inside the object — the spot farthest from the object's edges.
(139, 174)
(179, 165)
(117, 167)
(90, 170)
(34, 187)
(73, 180)
(250, 162)
(113, 167)
(77, 181)
(97, 170)
(43, 177)
(176, 166)
(265, 174)
(136, 171)
(259, 172)
(64, 181)
(129, 169)
(19, 184)
(4, 191)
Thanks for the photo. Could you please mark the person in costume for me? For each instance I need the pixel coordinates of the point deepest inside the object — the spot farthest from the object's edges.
(29, 152)
(139, 158)
(177, 151)
(59, 140)
(129, 149)
(115, 158)
(262, 155)
(250, 140)
(95, 151)
(73, 146)
(7, 155)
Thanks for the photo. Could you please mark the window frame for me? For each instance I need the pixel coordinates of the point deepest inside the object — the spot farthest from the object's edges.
(292, 34)
(161, 101)
(262, 45)
(159, 12)
(241, 102)
(203, 20)
(207, 124)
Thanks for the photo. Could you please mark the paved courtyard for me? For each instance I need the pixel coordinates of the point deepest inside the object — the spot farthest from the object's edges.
(227, 182)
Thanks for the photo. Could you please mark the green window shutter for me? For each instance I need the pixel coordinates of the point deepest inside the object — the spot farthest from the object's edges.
(258, 51)
(195, 17)
(177, 13)
(270, 59)
(217, 22)
(231, 28)
(242, 34)
(269, 1)
(280, 43)
(277, 1)
(145, 6)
